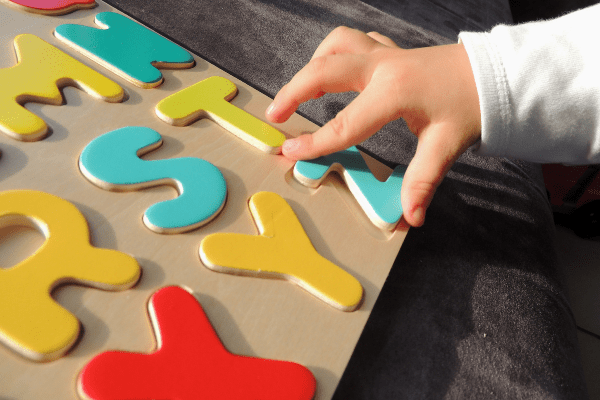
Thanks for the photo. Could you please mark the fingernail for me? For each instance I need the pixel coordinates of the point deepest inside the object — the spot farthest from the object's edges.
(271, 108)
(418, 215)
(290, 145)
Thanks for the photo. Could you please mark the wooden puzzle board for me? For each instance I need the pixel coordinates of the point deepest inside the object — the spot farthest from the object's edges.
(256, 317)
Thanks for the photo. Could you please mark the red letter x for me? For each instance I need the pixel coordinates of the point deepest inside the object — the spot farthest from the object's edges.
(190, 363)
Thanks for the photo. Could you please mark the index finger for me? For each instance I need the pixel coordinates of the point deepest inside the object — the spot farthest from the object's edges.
(328, 74)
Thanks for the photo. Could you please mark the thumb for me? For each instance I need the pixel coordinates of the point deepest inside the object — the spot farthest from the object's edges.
(432, 161)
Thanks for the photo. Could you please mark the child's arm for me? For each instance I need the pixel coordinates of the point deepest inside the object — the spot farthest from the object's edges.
(528, 91)
(433, 89)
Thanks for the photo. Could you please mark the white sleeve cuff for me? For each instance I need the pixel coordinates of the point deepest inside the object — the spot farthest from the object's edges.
(492, 87)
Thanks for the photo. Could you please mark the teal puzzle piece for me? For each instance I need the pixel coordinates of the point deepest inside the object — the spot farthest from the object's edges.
(112, 161)
(379, 200)
(126, 48)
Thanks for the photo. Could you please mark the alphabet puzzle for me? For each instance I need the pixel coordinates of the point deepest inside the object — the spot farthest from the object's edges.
(50, 7)
(379, 200)
(40, 71)
(127, 48)
(40, 323)
(210, 99)
(281, 250)
(31, 322)
(189, 363)
(112, 162)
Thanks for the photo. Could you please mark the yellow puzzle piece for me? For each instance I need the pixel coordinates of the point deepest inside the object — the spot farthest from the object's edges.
(40, 71)
(282, 250)
(210, 98)
(31, 322)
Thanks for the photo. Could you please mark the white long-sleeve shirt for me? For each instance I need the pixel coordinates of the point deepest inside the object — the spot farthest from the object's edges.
(539, 88)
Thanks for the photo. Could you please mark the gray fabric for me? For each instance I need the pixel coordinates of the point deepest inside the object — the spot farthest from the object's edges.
(447, 18)
(474, 306)
(533, 10)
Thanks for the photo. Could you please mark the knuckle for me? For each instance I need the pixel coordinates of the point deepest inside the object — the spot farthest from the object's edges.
(339, 126)
(376, 36)
(423, 187)
(341, 34)
(317, 73)
(421, 191)
(317, 66)
(341, 31)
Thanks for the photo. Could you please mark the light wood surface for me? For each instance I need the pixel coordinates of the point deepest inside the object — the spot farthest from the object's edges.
(265, 318)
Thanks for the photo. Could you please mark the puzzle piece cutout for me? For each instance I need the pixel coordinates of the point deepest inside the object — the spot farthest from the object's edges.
(210, 98)
(380, 200)
(190, 362)
(50, 7)
(127, 48)
(40, 71)
(112, 162)
(31, 322)
(282, 250)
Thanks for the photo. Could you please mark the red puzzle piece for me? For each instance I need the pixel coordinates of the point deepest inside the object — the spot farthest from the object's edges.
(190, 363)
(52, 7)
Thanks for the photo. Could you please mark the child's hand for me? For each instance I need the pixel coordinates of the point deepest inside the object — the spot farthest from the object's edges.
(432, 88)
